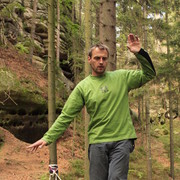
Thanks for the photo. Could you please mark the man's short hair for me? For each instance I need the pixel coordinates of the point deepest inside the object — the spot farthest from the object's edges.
(99, 46)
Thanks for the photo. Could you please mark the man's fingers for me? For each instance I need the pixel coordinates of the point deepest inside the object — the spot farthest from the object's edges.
(137, 39)
(32, 148)
(131, 38)
(39, 144)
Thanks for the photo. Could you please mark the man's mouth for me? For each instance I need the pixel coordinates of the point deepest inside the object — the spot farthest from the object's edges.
(101, 67)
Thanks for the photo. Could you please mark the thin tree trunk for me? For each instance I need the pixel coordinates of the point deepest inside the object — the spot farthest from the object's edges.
(58, 35)
(170, 103)
(80, 9)
(97, 23)
(87, 70)
(51, 78)
(33, 25)
(148, 139)
(171, 132)
(88, 34)
(147, 102)
(178, 99)
(108, 29)
(142, 119)
(75, 72)
(3, 40)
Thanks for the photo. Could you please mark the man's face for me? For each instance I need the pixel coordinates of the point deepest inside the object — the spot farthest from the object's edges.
(98, 61)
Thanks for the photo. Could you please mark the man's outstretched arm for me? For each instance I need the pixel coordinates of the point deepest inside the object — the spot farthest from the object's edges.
(137, 78)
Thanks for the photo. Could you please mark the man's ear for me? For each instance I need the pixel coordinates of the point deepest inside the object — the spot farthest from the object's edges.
(89, 59)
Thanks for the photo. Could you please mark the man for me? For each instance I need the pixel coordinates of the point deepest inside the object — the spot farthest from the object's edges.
(105, 94)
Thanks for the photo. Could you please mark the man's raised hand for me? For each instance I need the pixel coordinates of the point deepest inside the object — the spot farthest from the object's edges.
(133, 43)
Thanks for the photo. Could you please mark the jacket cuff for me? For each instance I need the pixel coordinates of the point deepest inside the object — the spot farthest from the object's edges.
(143, 53)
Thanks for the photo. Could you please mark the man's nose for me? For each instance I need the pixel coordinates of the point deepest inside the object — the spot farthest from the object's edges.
(101, 60)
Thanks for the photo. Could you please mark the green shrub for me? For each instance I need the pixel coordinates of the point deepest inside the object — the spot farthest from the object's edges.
(22, 48)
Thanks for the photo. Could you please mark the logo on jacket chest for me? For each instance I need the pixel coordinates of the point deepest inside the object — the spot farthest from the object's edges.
(104, 89)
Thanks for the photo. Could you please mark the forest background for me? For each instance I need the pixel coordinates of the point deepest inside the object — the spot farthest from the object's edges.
(38, 35)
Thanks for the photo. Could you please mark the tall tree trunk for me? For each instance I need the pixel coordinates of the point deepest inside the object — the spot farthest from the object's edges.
(88, 36)
(3, 40)
(80, 9)
(147, 102)
(171, 132)
(51, 77)
(75, 71)
(170, 101)
(97, 23)
(148, 139)
(33, 25)
(58, 35)
(142, 119)
(178, 100)
(108, 29)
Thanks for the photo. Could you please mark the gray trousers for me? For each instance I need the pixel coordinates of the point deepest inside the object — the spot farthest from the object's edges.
(110, 161)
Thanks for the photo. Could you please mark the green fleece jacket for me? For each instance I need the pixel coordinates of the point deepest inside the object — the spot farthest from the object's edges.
(106, 100)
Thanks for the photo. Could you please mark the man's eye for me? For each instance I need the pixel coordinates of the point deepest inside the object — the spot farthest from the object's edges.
(97, 58)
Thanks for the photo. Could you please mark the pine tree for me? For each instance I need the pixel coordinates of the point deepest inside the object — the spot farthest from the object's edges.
(87, 70)
(51, 78)
(33, 23)
(108, 29)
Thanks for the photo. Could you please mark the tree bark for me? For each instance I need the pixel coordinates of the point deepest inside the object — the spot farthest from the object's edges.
(51, 77)
(147, 102)
(108, 29)
(58, 35)
(97, 23)
(88, 36)
(148, 139)
(33, 23)
(170, 101)
(75, 72)
(80, 9)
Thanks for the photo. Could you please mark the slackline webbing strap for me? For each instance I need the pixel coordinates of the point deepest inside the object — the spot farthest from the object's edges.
(53, 170)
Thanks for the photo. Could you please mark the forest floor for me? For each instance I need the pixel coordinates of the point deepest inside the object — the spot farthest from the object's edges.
(16, 163)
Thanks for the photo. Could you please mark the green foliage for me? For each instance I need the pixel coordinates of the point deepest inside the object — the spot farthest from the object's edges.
(78, 166)
(157, 28)
(161, 132)
(175, 36)
(136, 169)
(1, 139)
(165, 140)
(22, 48)
(66, 3)
(71, 27)
(8, 10)
(24, 45)
(77, 170)
(44, 177)
(136, 173)
(44, 2)
(7, 80)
